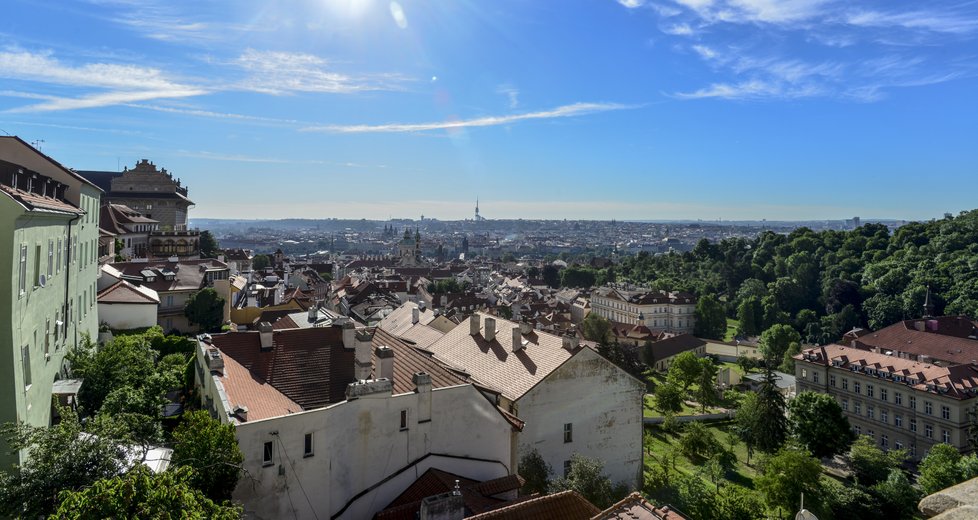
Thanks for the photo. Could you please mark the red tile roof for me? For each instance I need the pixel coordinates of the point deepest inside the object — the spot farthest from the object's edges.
(566, 505)
(309, 366)
(477, 496)
(125, 292)
(635, 507)
(408, 361)
(262, 399)
(941, 338)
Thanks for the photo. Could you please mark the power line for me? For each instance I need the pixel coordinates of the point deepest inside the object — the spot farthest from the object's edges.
(297, 479)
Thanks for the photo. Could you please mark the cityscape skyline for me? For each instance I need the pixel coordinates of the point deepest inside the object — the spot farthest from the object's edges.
(630, 110)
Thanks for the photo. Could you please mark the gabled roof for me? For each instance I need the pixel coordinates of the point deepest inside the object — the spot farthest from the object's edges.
(566, 505)
(476, 496)
(31, 200)
(675, 345)
(309, 366)
(56, 164)
(125, 292)
(494, 364)
(635, 507)
(400, 319)
(408, 361)
(944, 338)
(262, 399)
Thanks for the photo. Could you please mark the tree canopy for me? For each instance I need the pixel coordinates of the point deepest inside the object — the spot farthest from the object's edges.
(586, 476)
(211, 448)
(817, 421)
(596, 328)
(711, 317)
(205, 308)
(788, 474)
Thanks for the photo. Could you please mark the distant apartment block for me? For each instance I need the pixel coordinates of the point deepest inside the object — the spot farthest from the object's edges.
(673, 312)
(49, 230)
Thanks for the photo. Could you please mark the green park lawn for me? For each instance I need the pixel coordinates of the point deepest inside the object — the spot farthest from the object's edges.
(732, 325)
(658, 442)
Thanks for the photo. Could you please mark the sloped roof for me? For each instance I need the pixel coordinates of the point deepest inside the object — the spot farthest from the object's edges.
(566, 505)
(309, 366)
(675, 345)
(636, 507)
(125, 292)
(262, 399)
(942, 338)
(494, 364)
(476, 496)
(189, 273)
(408, 361)
(399, 320)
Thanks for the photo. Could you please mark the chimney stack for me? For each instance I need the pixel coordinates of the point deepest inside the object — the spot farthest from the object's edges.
(568, 341)
(525, 327)
(474, 325)
(241, 412)
(265, 331)
(517, 339)
(313, 313)
(446, 506)
(490, 333)
(422, 384)
(385, 362)
(349, 333)
(415, 315)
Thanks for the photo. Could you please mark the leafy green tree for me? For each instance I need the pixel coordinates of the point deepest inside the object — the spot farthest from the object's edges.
(843, 501)
(596, 328)
(870, 464)
(746, 364)
(141, 494)
(697, 443)
(62, 457)
(209, 248)
(750, 314)
(212, 450)
(788, 361)
(786, 475)
(260, 262)
(205, 308)
(776, 340)
(939, 469)
(586, 476)
(685, 370)
(698, 501)
(711, 318)
(577, 277)
(706, 390)
(817, 421)
(898, 497)
(536, 471)
(124, 361)
(738, 503)
(551, 276)
(669, 398)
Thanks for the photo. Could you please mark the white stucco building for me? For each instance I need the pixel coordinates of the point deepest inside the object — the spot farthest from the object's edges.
(673, 312)
(124, 306)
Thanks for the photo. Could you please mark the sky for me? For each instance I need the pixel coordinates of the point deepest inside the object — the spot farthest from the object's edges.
(597, 109)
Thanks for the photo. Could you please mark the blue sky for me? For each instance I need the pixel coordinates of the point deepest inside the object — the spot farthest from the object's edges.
(630, 109)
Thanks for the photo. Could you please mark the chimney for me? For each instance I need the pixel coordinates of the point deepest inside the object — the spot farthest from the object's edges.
(265, 330)
(422, 384)
(919, 325)
(385, 362)
(474, 325)
(349, 334)
(446, 506)
(517, 339)
(313, 313)
(490, 333)
(568, 341)
(241, 412)
(415, 315)
(525, 327)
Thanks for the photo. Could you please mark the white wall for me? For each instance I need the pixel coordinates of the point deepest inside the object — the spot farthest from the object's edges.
(604, 405)
(122, 316)
(359, 443)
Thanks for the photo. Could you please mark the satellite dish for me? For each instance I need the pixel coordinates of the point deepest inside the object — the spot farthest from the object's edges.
(805, 514)
(42, 280)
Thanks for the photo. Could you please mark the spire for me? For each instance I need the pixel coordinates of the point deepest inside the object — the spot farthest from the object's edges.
(928, 305)
(477, 208)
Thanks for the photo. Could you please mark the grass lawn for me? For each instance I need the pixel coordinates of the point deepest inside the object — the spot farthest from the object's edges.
(649, 409)
(732, 325)
(658, 442)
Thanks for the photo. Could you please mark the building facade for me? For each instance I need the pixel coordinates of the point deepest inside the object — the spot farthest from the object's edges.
(49, 230)
(673, 312)
(899, 403)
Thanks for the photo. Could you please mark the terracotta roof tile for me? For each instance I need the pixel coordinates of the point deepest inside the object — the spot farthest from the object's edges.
(476, 496)
(408, 361)
(566, 505)
(635, 507)
(125, 292)
(309, 366)
(262, 399)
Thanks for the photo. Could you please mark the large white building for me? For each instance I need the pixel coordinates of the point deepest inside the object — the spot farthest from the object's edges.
(673, 312)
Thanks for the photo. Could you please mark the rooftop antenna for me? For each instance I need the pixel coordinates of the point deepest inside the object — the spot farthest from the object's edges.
(37, 144)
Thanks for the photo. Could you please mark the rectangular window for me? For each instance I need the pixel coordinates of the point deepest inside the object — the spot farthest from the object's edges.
(857, 407)
(25, 358)
(568, 432)
(898, 445)
(845, 405)
(845, 383)
(50, 257)
(945, 413)
(567, 468)
(913, 402)
(883, 394)
(58, 264)
(946, 436)
(832, 380)
(898, 421)
(928, 408)
(814, 377)
(913, 450)
(858, 429)
(404, 419)
(913, 425)
(884, 442)
(884, 415)
(928, 431)
(307, 446)
(872, 434)
(869, 390)
(870, 411)
(266, 456)
(37, 266)
(804, 373)
(897, 398)
(47, 337)
(856, 387)
(23, 270)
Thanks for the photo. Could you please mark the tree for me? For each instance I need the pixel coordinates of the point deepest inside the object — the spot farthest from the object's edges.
(711, 318)
(212, 450)
(738, 503)
(697, 443)
(141, 494)
(209, 248)
(668, 398)
(61, 457)
(761, 419)
(586, 476)
(898, 498)
(750, 316)
(870, 464)
(596, 328)
(939, 469)
(788, 474)
(746, 364)
(551, 276)
(842, 501)
(698, 501)
(577, 277)
(817, 421)
(685, 370)
(260, 262)
(776, 340)
(788, 361)
(124, 361)
(536, 471)
(706, 391)
(205, 308)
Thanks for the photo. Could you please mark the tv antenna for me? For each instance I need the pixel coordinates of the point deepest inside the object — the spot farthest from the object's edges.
(37, 144)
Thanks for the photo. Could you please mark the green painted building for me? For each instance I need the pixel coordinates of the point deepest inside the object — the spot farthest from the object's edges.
(48, 270)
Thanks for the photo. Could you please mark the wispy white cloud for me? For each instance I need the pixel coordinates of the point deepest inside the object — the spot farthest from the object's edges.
(915, 20)
(679, 29)
(512, 94)
(705, 52)
(575, 109)
(218, 115)
(123, 83)
(632, 4)
(273, 72)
